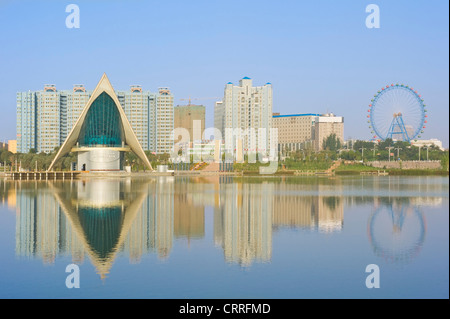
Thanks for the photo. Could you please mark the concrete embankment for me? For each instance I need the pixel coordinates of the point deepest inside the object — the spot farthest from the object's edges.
(406, 164)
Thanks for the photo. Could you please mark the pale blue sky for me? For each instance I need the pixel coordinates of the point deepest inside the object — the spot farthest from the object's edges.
(318, 55)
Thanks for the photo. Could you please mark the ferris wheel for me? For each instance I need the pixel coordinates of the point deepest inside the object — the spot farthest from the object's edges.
(397, 112)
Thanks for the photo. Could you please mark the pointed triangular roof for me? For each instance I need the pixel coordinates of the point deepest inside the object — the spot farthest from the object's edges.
(130, 138)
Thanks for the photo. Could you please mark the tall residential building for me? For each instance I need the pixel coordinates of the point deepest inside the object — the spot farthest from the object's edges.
(294, 131)
(324, 126)
(184, 117)
(161, 122)
(245, 107)
(46, 117)
(76, 101)
(136, 104)
(26, 121)
(49, 119)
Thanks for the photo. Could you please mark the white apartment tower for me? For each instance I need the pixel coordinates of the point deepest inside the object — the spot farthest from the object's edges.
(246, 108)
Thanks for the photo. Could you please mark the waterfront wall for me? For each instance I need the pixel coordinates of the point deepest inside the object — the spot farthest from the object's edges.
(407, 164)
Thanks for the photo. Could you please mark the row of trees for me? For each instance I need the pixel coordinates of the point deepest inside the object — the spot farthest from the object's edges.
(367, 151)
(32, 161)
(333, 149)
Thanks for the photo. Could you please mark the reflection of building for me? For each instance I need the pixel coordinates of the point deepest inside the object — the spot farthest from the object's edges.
(323, 213)
(152, 229)
(243, 222)
(102, 133)
(41, 228)
(189, 218)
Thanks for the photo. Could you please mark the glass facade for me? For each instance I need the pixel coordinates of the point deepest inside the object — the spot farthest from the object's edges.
(102, 125)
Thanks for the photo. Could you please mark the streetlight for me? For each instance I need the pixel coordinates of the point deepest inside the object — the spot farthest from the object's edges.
(398, 152)
(389, 148)
(362, 155)
(427, 147)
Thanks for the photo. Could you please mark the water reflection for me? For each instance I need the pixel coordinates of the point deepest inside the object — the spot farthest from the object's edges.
(396, 230)
(104, 218)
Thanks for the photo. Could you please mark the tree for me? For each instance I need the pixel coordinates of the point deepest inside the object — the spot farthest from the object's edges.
(332, 143)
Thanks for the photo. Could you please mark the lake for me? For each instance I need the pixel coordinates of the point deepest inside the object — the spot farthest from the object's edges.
(226, 237)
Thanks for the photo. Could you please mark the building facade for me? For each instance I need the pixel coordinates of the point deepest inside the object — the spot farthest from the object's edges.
(430, 142)
(45, 118)
(324, 126)
(295, 131)
(245, 107)
(185, 117)
(12, 146)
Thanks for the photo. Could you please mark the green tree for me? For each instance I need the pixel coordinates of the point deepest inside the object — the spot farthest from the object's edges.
(331, 143)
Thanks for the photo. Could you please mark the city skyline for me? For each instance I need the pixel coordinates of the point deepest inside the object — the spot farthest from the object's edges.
(317, 60)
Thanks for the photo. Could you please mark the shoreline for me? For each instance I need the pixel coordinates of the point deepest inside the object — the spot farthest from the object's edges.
(280, 173)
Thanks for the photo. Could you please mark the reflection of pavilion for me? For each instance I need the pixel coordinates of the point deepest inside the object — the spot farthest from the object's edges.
(101, 217)
(97, 217)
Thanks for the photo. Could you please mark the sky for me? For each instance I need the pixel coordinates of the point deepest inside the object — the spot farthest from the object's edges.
(319, 55)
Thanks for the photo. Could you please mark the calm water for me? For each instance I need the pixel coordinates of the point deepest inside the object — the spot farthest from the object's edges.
(175, 237)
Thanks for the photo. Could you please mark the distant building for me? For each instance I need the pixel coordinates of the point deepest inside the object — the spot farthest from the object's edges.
(294, 131)
(45, 118)
(433, 141)
(3, 145)
(324, 126)
(12, 146)
(245, 107)
(185, 117)
(219, 118)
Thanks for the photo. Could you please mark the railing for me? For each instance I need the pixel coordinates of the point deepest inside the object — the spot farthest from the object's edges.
(42, 175)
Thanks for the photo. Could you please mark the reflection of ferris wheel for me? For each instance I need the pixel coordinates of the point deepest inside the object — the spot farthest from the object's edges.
(397, 112)
(396, 233)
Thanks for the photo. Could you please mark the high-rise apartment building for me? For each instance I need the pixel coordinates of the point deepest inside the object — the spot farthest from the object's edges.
(46, 117)
(26, 121)
(247, 108)
(161, 122)
(76, 101)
